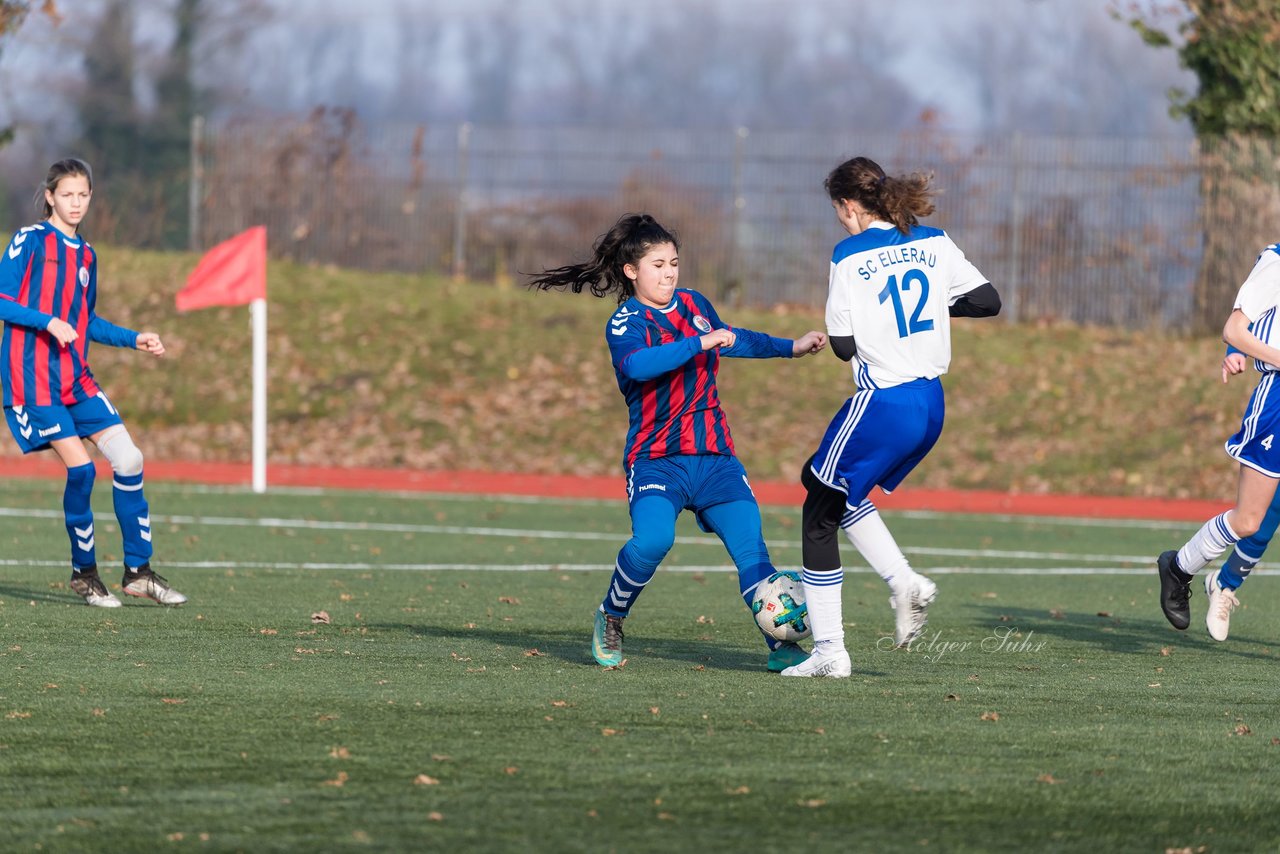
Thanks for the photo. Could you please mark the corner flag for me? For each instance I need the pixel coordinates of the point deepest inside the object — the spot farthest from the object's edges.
(234, 273)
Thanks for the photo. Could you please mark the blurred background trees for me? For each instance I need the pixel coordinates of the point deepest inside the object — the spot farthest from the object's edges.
(1233, 48)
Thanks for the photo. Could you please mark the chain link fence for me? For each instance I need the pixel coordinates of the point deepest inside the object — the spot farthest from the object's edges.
(1105, 231)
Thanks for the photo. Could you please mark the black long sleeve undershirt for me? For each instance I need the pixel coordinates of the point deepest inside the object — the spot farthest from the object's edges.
(982, 301)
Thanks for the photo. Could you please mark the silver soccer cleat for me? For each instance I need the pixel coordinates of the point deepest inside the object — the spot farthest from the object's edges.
(88, 584)
(145, 584)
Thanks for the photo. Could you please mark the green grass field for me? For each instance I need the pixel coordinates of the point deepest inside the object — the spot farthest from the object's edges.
(450, 702)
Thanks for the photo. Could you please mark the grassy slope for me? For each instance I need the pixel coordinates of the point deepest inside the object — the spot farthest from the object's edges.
(394, 370)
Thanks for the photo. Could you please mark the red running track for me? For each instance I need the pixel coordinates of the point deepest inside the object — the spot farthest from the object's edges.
(566, 486)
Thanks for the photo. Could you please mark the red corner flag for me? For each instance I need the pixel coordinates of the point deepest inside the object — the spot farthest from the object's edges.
(232, 273)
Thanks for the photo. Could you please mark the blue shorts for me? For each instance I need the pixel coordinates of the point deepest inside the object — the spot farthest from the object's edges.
(1257, 443)
(879, 436)
(690, 482)
(34, 427)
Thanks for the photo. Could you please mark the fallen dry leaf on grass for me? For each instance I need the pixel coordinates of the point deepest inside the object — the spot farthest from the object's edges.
(320, 617)
(1047, 778)
(424, 780)
(340, 753)
(990, 716)
(339, 781)
(530, 653)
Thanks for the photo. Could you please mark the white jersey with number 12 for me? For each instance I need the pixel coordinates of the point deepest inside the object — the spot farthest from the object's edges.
(891, 292)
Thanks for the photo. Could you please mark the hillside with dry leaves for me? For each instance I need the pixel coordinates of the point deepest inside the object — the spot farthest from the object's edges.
(409, 372)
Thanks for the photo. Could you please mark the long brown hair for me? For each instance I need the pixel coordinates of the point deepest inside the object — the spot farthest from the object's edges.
(626, 243)
(898, 200)
(58, 171)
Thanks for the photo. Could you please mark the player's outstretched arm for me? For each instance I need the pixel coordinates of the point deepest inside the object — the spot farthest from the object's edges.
(810, 342)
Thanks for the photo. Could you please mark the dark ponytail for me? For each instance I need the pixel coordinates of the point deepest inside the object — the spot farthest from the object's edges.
(626, 243)
(900, 201)
(58, 171)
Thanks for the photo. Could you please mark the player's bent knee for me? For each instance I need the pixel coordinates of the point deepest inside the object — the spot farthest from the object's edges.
(80, 478)
(124, 456)
(652, 546)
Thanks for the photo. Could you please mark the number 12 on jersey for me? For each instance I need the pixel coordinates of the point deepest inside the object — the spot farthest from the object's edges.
(893, 292)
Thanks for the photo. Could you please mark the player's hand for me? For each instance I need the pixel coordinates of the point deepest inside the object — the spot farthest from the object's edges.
(718, 338)
(1232, 364)
(810, 342)
(151, 343)
(63, 331)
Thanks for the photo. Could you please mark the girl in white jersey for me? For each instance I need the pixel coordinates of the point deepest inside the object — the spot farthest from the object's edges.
(1251, 330)
(894, 287)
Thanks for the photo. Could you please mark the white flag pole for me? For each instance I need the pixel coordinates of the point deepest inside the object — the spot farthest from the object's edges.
(258, 317)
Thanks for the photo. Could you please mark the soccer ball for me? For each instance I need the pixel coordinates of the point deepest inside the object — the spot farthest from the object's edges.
(779, 607)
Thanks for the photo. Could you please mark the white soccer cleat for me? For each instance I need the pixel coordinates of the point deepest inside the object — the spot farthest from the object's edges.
(1221, 603)
(89, 585)
(911, 611)
(834, 665)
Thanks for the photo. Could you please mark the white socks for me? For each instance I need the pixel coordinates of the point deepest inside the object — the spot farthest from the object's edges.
(822, 595)
(866, 530)
(1213, 538)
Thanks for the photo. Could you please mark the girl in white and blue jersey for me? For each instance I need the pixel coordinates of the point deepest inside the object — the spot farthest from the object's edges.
(894, 286)
(1251, 329)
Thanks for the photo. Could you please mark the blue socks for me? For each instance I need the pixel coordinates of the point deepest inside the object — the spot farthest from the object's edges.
(79, 515)
(1236, 570)
(134, 517)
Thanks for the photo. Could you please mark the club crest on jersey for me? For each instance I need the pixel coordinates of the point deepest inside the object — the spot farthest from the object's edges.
(704, 325)
(84, 277)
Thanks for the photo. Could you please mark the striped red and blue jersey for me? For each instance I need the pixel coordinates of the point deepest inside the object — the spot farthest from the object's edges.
(45, 274)
(669, 382)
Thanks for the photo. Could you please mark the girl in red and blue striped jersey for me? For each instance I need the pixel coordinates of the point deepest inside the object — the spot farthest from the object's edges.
(665, 343)
(48, 293)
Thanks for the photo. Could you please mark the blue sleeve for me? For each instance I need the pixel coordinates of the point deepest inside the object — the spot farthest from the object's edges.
(1231, 350)
(11, 312)
(634, 357)
(750, 344)
(105, 332)
(650, 362)
(13, 264)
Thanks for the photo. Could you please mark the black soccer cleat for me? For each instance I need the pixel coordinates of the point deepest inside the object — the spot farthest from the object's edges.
(1175, 592)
